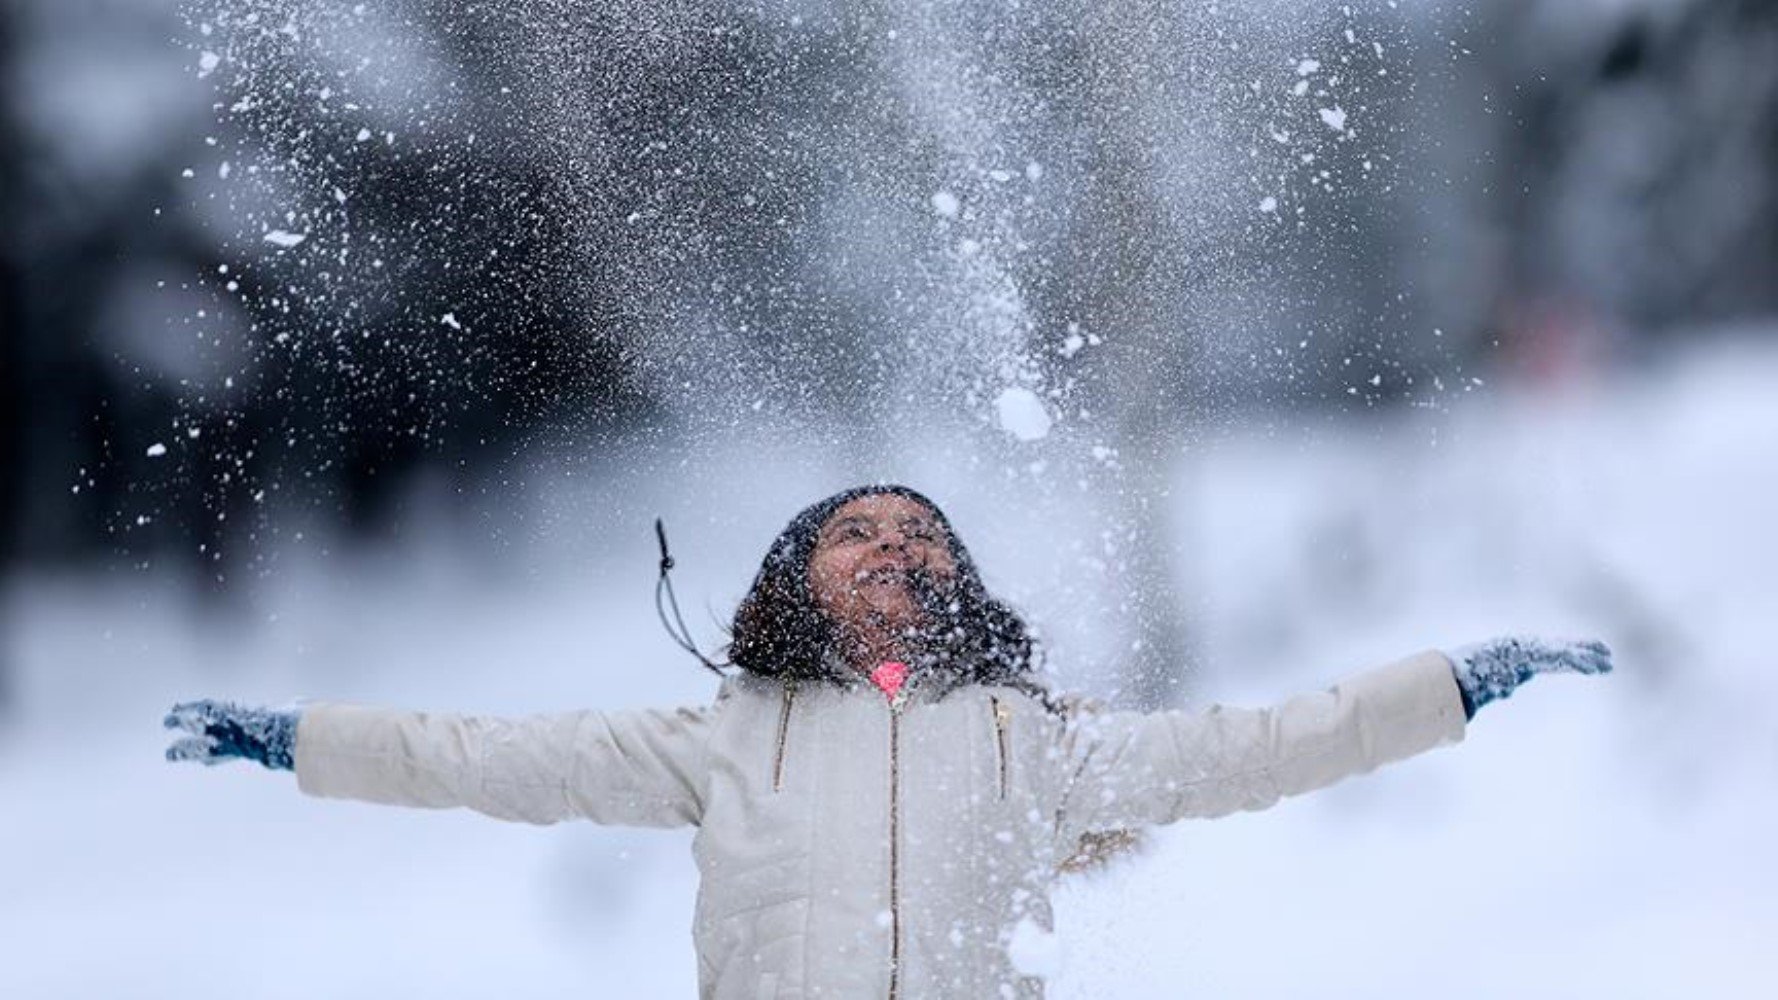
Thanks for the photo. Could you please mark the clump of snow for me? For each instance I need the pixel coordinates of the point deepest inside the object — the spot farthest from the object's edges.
(284, 238)
(1307, 67)
(207, 63)
(156, 450)
(1076, 339)
(1268, 204)
(1033, 950)
(450, 319)
(1334, 117)
(1022, 414)
(946, 204)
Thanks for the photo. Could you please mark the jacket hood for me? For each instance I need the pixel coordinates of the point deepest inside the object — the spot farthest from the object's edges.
(779, 632)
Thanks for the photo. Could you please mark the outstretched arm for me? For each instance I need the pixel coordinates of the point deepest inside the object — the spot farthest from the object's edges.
(1132, 769)
(1139, 768)
(638, 768)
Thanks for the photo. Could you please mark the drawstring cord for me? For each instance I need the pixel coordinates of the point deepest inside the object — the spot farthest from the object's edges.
(681, 635)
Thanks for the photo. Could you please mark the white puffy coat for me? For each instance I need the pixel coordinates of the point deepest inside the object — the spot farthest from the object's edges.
(848, 847)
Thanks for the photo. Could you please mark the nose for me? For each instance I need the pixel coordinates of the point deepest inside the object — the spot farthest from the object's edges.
(892, 538)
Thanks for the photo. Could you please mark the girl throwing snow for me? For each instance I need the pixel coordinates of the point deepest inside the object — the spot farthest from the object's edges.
(883, 791)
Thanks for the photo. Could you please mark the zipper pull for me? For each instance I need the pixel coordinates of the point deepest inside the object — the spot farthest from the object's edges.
(783, 735)
(891, 677)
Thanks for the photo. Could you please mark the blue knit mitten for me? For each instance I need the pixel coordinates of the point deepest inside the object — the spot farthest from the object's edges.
(1492, 669)
(223, 730)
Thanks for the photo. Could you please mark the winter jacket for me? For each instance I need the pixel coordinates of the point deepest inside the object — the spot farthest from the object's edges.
(849, 846)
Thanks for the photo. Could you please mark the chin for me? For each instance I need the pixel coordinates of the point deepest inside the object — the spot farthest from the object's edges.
(899, 616)
(893, 614)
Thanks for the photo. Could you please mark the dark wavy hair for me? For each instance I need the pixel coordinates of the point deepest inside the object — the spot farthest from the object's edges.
(971, 636)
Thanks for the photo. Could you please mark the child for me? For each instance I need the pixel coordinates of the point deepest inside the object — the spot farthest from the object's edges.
(883, 791)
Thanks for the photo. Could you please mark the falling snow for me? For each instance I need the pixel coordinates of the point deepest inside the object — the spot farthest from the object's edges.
(422, 250)
(1021, 414)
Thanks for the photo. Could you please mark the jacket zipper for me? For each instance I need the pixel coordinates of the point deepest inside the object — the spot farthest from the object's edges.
(1002, 720)
(895, 846)
(783, 734)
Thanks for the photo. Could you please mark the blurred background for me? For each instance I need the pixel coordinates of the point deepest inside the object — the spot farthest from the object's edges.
(349, 351)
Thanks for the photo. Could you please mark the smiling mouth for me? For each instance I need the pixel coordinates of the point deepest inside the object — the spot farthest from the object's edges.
(882, 576)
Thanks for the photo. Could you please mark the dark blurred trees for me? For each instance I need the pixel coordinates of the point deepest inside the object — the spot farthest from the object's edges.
(1624, 175)
(296, 387)
(12, 321)
(12, 312)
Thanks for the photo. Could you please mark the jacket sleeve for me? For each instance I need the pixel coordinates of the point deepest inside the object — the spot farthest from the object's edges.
(634, 768)
(1130, 769)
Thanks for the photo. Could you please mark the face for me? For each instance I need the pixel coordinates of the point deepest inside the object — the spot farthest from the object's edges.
(859, 571)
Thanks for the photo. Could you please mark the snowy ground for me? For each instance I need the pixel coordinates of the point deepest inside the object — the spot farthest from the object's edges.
(1590, 838)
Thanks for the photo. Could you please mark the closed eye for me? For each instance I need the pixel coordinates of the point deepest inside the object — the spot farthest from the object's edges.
(850, 529)
(921, 530)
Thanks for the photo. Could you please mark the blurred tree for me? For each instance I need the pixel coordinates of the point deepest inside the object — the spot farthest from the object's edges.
(1635, 170)
(273, 384)
(12, 350)
(1224, 245)
(434, 311)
